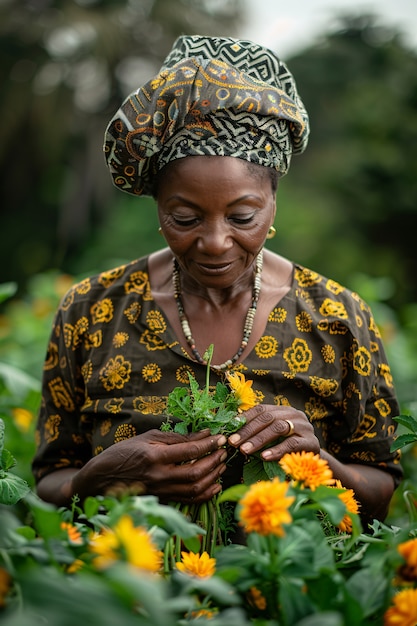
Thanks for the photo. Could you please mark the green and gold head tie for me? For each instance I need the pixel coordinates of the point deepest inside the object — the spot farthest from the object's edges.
(213, 96)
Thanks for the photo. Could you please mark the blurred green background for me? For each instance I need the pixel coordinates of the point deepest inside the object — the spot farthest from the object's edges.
(347, 209)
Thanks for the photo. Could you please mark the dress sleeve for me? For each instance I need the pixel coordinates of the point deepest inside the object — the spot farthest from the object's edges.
(366, 435)
(61, 440)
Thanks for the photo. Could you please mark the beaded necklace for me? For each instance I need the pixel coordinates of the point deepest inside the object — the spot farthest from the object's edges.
(250, 315)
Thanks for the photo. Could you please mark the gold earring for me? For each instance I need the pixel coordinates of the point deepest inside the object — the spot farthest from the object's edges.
(160, 231)
(271, 232)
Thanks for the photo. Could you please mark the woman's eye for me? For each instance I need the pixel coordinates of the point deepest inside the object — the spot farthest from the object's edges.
(182, 221)
(247, 219)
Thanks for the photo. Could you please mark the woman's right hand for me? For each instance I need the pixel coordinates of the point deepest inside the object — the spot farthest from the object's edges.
(173, 467)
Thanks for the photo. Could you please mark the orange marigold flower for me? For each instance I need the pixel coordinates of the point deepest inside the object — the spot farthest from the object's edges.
(242, 390)
(256, 598)
(408, 551)
(206, 613)
(404, 609)
(74, 534)
(125, 542)
(5, 585)
(264, 507)
(307, 468)
(195, 564)
(352, 506)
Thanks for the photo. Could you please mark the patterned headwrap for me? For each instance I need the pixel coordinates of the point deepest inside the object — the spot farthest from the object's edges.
(212, 96)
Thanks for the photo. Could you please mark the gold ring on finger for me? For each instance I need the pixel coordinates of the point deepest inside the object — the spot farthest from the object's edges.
(291, 425)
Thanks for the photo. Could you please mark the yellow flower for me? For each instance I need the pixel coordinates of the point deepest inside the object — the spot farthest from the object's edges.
(352, 506)
(194, 564)
(408, 551)
(22, 418)
(256, 599)
(307, 468)
(242, 390)
(127, 543)
(264, 507)
(74, 534)
(404, 611)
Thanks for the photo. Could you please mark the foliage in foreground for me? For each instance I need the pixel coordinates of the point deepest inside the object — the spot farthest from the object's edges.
(306, 560)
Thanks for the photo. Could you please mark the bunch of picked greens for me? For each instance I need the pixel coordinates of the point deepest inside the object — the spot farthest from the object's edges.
(218, 409)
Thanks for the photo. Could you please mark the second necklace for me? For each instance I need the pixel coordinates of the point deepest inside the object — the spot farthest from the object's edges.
(250, 315)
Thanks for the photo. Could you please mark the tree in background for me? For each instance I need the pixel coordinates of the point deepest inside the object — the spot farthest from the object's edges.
(353, 194)
(65, 67)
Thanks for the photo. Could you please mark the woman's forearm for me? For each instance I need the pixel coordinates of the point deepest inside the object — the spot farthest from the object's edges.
(373, 487)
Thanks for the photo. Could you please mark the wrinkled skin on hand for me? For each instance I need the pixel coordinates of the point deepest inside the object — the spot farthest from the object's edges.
(266, 426)
(183, 468)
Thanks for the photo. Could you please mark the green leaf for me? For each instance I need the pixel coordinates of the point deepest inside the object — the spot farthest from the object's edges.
(408, 421)
(7, 290)
(233, 494)
(403, 440)
(12, 489)
(254, 470)
(7, 460)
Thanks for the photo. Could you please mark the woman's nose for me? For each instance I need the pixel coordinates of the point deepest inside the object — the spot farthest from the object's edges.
(215, 239)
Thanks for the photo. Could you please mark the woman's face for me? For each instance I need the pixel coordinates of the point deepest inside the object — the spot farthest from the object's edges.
(215, 213)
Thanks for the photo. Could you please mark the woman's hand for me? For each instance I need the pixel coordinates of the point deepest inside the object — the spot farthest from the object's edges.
(279, 429)
(183, 468)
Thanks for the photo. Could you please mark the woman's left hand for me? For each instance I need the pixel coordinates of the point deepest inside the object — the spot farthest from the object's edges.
(279, 429)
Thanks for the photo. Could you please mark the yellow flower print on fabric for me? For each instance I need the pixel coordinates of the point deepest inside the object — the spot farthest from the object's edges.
(153, 342)
(385, 371)
(330, 307)
(105, 427)
(152, 373)
(120, 339)
(315, 409)
(67, 300)
(333, 328)
(51, 428)
(83, 287)
(182, 372)
(93, 340)
(281, 400)
(267, 347)
(383, 407)
(114, 405)
(359, 321)
(150, 404)
(138, 282)
(116, 373)
(278, 315)
(52, 358)
(365, 429)
(80, 329)
(108, 278)
(87, 371)
(328, 354)
(60, 394)
(298, 356)
(362, 361)
(132, 312)
(304, 322)
(324, 387)
(155, 321)
(261, 372)
(374, 328)
(334, 287)
(102, 311)
(306, 278)
(124, 431)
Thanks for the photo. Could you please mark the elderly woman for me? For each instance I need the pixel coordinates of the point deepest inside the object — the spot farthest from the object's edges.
(208, 138)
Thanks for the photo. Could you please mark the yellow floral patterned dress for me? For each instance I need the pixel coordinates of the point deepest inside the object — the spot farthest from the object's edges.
(113, 358)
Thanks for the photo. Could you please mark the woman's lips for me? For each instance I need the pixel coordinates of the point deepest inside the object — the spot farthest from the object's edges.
(213, 269)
